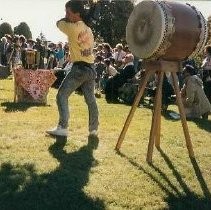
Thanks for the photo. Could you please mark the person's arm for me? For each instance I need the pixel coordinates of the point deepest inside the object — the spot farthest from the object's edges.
(63, 25)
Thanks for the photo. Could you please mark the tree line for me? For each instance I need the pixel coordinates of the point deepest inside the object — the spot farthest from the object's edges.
(21, 29)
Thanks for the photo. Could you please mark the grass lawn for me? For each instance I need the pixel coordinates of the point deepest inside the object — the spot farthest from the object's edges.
(39, 172)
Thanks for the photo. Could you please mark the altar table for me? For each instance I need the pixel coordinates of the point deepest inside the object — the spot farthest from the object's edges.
(32, 86)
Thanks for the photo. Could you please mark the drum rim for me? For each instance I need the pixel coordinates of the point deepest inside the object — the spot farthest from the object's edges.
(156, 50)
(167, 30)
(162, 37)
(203, 34)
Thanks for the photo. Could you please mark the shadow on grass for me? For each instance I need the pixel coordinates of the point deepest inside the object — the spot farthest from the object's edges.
(181, 198)
(203, 124)
(13, 107)
(22, 188)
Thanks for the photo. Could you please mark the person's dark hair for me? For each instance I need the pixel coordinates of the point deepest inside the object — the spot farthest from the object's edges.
(107, 47)
(76, 6)
(190, 69)
(99, 58)
(107, 61)
(89, 13)
(22, 38)
(112, 60)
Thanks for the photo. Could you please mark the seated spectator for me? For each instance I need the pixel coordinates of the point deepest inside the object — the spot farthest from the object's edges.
(114, 83)
(194, 99)
(109, 72)
(128, 91)
(107, 51)
(67, 65)
(119, 55)
(100, 67)
(206, 72)
(99, 50)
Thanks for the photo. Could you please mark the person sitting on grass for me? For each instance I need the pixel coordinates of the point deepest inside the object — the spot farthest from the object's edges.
(195, 102)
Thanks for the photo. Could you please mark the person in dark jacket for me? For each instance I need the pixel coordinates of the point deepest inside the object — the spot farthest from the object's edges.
(113, 84)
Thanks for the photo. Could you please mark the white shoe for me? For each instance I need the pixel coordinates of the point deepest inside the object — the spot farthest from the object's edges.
(93, 133)
(58, 131)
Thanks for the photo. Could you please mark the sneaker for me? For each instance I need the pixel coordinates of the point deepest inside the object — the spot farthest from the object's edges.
(58, 131)
(93, 133)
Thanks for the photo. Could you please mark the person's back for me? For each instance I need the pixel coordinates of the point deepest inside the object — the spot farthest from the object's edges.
(206, 72)
(80, 39)
(194, 98)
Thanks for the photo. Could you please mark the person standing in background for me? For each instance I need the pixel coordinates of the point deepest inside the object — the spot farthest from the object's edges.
(3, 51)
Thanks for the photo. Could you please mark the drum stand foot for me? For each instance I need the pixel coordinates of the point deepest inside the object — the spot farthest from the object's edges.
(154, 139)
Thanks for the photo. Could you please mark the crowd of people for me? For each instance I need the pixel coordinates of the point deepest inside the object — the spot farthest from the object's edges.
(118, 72)
(17, 50)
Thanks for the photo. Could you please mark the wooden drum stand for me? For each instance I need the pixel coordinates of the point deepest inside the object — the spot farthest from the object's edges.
(160, 67)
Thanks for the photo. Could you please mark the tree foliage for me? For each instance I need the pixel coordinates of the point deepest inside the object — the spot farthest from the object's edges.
(5, 28)
(23, 29)
(113, 19)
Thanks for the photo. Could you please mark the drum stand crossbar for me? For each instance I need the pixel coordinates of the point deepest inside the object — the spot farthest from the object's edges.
(160, 67)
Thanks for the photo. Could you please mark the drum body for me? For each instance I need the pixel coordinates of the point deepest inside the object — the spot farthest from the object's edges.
(168, 30)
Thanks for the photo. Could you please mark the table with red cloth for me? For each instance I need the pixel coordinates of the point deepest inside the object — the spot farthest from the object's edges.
(32, 85)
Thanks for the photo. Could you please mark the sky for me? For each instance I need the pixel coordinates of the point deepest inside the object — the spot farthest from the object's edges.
(41, 15)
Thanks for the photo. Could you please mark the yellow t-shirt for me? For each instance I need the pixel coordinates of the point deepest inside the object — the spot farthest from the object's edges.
(81, 40)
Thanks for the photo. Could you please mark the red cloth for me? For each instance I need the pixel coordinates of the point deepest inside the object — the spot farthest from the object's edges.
(35, 82)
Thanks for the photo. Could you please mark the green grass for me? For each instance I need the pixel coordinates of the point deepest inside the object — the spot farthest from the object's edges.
(38, 172)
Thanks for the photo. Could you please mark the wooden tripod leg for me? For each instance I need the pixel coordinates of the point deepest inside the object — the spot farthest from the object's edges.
(15, 88)
(182, 114)
(157, 139)
(155, 126)
(133, 108)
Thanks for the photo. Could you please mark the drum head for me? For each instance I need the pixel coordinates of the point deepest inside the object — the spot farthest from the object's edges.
(145, 29)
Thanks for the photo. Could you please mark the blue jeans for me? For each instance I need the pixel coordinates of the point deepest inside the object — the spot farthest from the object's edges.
(80, 76)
